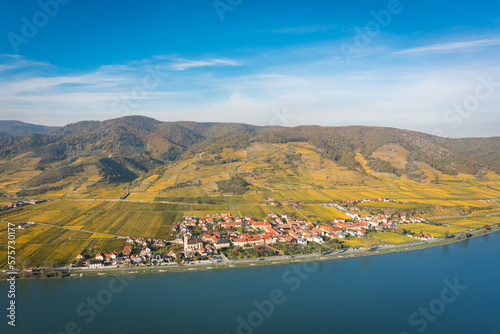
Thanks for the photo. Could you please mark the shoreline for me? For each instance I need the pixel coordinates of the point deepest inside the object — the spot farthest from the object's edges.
(259, 262)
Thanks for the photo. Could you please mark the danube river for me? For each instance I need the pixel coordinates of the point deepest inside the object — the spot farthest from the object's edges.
(448, 289)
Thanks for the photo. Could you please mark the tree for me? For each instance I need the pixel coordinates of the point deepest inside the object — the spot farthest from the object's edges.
(22, 264)
(178, 256)
(48, 268)
(235, 251)
(487, 227)
(447, 234)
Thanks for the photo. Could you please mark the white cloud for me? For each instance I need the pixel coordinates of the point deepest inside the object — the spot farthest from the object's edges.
(453, 46)
(319, 90)
(187, 64)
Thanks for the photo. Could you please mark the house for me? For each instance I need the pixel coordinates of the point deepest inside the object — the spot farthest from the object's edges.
(337, 230)
(99, 257)
(172, 254)
(269, 239)
(302, 242)
(210, 249)
(317, 238)
(342, 225)
(222, 243)
(127, 250)
(240, 242)
(316, 230)
(157, 258)
(145, 251)
(425, 236)
(95, 264)
(259, 225)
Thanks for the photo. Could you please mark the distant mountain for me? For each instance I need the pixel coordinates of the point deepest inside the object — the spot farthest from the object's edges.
(18, 128)
(122, 149)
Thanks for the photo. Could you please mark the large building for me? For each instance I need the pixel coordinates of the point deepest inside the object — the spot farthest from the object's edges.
(192, 245)
(222, 243)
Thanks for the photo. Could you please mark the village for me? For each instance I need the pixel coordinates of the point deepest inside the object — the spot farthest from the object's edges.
(208, 238)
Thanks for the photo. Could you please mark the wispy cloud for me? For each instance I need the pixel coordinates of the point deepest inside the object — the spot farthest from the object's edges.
(453, 46)
(309, 80)
(30, 87)
(187, 64)
(14, 62)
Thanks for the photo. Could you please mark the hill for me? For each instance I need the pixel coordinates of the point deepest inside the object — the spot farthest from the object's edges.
(94, 157)
(18, 128)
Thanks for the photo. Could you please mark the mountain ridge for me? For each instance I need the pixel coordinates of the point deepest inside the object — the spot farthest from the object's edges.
(13, 128)
(122, 149)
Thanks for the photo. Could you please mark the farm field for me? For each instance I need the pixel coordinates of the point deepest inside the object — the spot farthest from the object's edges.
(323, 214)
(472, 222)
(377, 204)
(392, 238)
(360, 242)
(271, 172)
(254, 210)
(433, 230)
(275, 172)
(88, 220)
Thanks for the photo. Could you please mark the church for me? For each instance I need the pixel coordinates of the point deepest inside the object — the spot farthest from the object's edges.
(192, 245)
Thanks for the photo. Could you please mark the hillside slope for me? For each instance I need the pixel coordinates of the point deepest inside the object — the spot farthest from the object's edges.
(18, 128)
(90, 155)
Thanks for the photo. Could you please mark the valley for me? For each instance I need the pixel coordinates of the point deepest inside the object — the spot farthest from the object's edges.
(260, 179)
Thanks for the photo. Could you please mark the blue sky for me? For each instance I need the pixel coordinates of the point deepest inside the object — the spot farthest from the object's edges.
(423, 65)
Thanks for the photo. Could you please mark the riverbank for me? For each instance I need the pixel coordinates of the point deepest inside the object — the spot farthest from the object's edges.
(259, 262)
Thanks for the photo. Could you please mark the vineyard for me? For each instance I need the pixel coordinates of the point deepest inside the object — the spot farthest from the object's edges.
(392, 238)
(353, 242)
(79, 217)
(433, 230)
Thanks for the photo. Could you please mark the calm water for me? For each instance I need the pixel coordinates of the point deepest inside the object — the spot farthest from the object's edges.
(366, 295)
